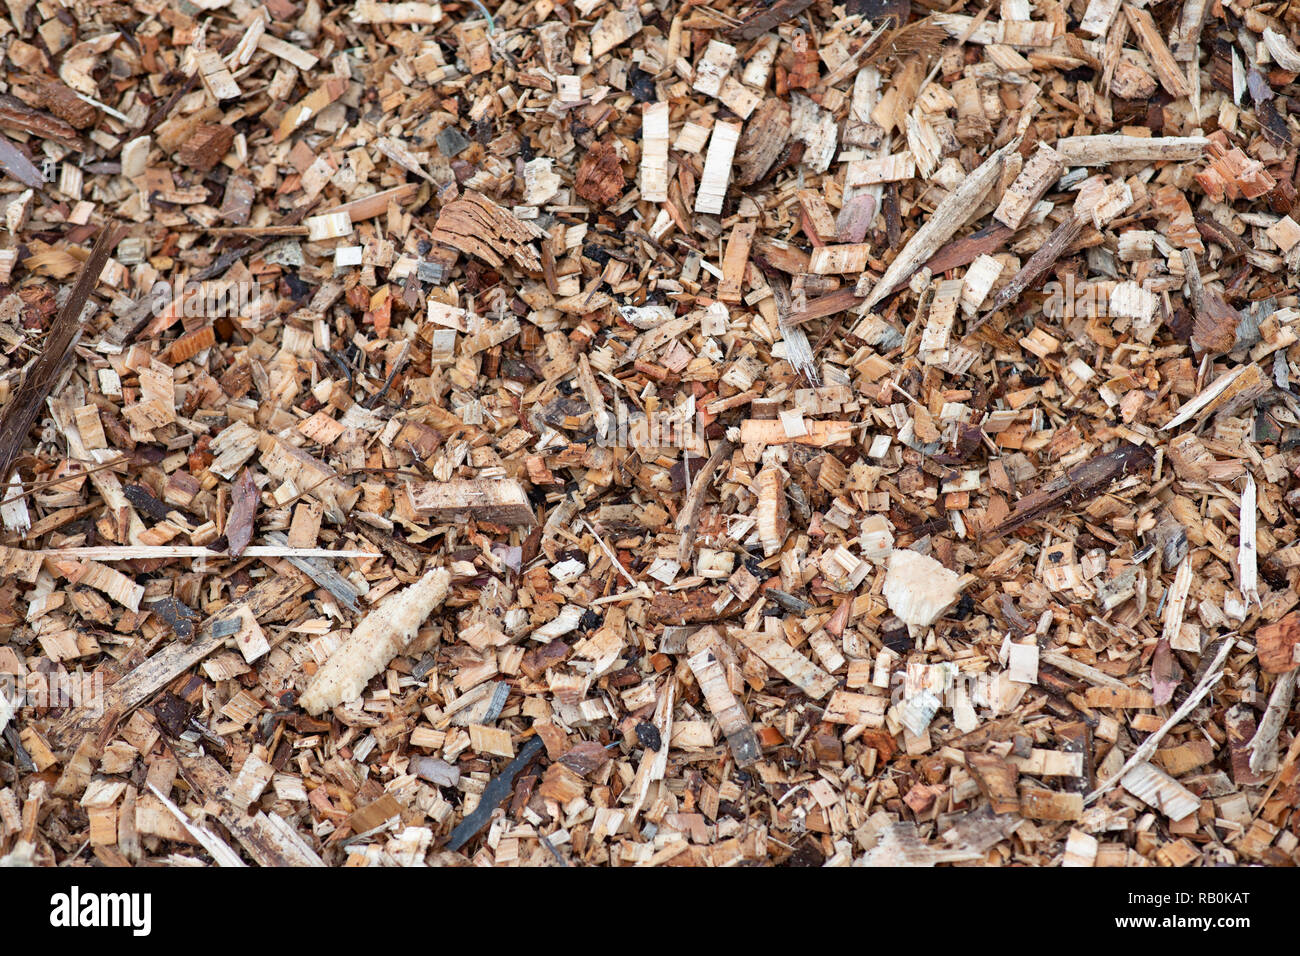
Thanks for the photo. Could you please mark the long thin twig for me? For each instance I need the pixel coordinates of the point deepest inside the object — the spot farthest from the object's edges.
(1292, 754)
(137, 552)
(1148, 746)
(42, 485)
(609, 553)
(691, 508)
(22, 409)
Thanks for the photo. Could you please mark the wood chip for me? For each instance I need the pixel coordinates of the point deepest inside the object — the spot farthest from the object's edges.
(604, 435)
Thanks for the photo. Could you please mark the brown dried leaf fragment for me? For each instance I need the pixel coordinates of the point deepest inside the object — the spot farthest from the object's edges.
(1214, 328)
(1165, 673)
(243, 511)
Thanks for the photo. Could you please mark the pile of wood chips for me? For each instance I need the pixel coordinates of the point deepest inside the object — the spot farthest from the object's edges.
(577, 432)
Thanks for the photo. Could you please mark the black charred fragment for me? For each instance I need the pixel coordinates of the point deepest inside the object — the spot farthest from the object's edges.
(172, 714)
(21, 757)
(806, 854)
(642, 86)
(648, 734)
(451, 142)
(179, 617)
(494, 794)
(895, 635)
(597, 254)
(142, 499)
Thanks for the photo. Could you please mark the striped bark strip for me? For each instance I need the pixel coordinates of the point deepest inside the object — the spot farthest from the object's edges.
(729, 712)
(787, 662)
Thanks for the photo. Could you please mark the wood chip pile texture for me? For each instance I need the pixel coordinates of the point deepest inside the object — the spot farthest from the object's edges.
(597, 433)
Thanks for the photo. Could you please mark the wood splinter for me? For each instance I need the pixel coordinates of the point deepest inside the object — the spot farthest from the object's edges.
(379, 638)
